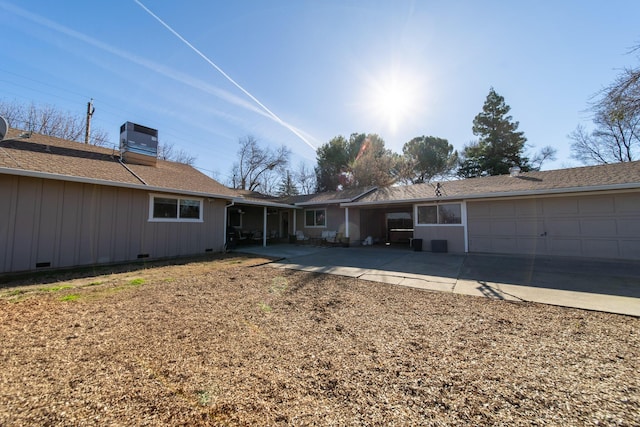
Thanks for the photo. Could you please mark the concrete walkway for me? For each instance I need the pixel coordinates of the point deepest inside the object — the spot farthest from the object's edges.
(609, 286)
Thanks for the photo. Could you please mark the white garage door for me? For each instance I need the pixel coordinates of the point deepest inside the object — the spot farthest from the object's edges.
(589, 226)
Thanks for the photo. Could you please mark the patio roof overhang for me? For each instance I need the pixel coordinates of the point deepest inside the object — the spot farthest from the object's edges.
(262, 203)
(500, 195)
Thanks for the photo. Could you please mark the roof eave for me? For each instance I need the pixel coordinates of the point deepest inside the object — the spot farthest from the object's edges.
(85, 180)
(240, 200)
(338, 201)
(503, 194)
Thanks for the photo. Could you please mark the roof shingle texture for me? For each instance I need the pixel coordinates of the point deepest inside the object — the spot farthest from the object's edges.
(580, 178)
(46, 154)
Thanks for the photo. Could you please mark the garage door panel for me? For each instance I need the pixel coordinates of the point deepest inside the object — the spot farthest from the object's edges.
(560, 207)
(507, 244)
(596, 205)
(529, 228)
(628, 203)
(629, 227)
(532, 246)
(528, 208)
(630, 249)
(563, 227)
(479, 209)
(599, 227)
(480, 244)
(503, 228)
(503, 209)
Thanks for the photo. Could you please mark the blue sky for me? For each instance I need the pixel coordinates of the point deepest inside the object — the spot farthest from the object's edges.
(298, 73)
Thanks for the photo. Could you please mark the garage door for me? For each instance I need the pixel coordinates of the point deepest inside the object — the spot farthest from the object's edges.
(588, 226)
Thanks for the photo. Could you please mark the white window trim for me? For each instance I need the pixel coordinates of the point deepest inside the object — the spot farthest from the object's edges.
(463, 214)
(152, 196)
(315, 210)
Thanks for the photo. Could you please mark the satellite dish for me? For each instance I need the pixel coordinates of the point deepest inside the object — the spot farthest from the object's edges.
(4, 127)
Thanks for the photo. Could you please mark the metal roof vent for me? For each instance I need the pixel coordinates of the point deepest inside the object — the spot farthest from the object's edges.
(138, 144)
(514, 170)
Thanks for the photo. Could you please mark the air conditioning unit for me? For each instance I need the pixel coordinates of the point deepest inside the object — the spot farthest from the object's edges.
(138, 144)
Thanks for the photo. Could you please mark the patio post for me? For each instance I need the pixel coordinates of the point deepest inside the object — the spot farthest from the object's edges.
(295, 217)
(346, 222)
(264, 227)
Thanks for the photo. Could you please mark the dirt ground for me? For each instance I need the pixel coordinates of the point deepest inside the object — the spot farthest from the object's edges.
(229, 341)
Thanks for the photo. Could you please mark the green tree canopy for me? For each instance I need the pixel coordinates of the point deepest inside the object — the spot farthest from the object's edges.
(362, 160)
(427, 157)
(499, 147)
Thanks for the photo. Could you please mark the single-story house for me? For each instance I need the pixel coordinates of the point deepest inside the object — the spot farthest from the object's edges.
(72, 204)
(591, 211)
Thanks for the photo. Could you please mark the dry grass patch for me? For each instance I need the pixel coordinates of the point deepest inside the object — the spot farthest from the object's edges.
(228, 342)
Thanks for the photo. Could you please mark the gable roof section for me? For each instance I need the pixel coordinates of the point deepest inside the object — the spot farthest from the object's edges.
(328, 198)
(617, 176)
(54, 158)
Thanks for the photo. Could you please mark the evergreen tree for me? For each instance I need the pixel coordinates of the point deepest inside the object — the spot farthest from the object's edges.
(287, 187)
(499, 147)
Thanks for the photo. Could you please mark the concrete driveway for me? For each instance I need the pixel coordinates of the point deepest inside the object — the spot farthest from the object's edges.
(609, 286)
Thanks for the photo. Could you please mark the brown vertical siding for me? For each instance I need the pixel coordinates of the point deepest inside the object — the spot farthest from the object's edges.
(64, 224)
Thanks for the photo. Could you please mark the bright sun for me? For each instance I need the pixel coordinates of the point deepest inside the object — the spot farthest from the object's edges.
(393, 99)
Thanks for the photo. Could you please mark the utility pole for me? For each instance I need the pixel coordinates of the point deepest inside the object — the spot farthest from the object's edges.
(90, 111)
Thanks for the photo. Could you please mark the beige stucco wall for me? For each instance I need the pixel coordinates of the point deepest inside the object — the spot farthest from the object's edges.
(65, 224)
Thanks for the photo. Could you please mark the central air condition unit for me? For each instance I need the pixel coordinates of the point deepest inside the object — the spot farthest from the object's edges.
(138, 144)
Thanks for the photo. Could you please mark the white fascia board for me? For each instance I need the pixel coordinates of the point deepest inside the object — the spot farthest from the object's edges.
(107, 183)
(241, 201)
(553, 191)
(324, 202)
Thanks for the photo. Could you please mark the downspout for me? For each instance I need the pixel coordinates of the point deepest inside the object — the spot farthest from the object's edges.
(295, 217)
(465, 228)
(264, 227)
(224, 225)
(346, 219)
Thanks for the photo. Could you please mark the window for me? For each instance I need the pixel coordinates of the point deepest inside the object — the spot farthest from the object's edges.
(172, 209)
(449, 213)
(315, 218)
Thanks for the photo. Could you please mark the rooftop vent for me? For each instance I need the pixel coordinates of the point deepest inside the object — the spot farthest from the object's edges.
(514, 170)
(138, 144)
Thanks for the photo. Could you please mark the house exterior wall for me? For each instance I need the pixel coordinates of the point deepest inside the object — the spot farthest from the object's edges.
(453, 234)
(335, 220)
(59, 224)
(354, 226)
(600, 226)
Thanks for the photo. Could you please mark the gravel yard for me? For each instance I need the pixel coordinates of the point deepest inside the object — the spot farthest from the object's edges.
(227, 340)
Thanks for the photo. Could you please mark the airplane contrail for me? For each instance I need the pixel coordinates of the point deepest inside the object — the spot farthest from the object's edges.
(210, 62)
(150, 65)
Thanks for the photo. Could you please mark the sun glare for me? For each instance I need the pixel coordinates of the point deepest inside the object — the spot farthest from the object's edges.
(393, 99)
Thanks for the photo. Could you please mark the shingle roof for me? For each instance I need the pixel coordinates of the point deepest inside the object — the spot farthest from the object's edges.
(68, 160)
(620, 175)
(328, 197)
